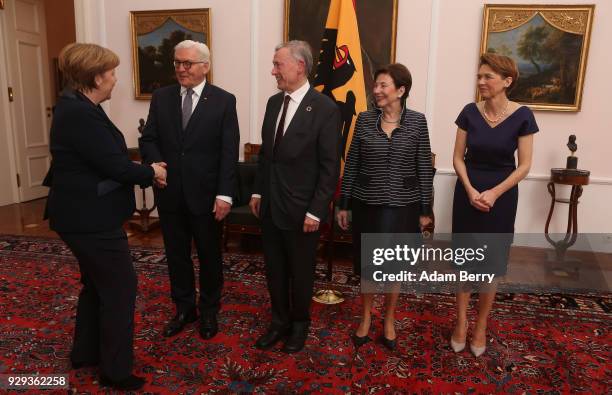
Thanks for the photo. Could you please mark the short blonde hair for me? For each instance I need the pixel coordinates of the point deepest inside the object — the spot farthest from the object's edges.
(502, 65)
(80, 63)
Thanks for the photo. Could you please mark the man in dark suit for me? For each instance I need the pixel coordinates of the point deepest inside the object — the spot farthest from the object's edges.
(296, 179)
(193, 128)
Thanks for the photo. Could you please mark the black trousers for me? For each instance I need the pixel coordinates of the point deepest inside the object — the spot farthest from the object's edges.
(179, 229)
(290, 258)
(104, 329)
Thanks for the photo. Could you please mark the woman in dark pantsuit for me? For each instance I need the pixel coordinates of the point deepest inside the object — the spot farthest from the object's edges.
(92, 194)
(486, 193)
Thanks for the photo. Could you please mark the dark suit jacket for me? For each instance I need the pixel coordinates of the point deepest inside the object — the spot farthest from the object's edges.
(303, 174)
(91, 177)
(201, 159)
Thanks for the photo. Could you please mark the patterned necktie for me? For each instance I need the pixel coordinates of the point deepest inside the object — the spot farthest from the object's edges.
(281, 124)
(187, 107)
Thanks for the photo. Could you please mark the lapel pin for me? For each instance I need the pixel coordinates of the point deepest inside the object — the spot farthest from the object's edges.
(308, 108)
(205, 98)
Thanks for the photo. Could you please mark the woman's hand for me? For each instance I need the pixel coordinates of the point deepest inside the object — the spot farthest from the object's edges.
(425, 221)
(342, 218)
(488, 197)
(474, 197)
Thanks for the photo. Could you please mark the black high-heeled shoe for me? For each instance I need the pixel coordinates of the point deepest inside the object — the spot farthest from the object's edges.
(390, 344)
(359, 341)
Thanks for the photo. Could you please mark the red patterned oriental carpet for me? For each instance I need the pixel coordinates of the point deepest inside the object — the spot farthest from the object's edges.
(546, 344)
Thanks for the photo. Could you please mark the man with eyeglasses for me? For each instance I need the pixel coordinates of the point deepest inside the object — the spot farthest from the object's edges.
(193, 127)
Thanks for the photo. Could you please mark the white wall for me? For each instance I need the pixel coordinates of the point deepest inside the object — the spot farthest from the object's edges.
(230, 51)
(270, 15)
(454, 46)
(439, 41)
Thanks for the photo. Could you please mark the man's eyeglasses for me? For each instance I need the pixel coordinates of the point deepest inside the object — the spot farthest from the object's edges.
(186, 64)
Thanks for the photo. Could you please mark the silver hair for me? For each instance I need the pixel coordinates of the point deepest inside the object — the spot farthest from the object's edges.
(300, 50)
(202, 49)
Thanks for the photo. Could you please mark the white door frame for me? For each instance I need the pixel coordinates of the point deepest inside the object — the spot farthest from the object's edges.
(8, 123)
(89, 21)
(89, 18)
(24, 150)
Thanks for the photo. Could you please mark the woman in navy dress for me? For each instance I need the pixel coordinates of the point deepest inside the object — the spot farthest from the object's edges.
(486, 194)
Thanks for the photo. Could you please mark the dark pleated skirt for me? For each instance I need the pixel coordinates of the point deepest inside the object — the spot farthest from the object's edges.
(381, 219)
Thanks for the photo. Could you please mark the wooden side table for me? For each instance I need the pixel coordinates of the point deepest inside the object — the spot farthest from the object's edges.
(251, 152)
(575, 178)
(145, 222)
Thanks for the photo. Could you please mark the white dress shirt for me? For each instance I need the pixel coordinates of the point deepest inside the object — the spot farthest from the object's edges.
(195, 98)
(296, 98)
(195, 94)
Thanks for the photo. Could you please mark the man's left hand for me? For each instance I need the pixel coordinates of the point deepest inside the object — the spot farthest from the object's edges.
(222, 208)
(310, 225)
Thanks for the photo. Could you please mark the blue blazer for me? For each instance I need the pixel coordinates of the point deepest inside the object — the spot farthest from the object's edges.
(91, 176)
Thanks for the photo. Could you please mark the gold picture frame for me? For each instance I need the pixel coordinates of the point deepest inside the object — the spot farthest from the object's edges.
(154, 35)
(547, 42)
(377, 19)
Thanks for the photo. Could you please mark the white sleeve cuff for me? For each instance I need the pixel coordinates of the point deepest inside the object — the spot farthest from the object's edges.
(313, 217)
(226, 199)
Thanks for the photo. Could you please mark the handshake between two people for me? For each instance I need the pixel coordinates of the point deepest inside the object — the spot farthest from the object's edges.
(221, 208)
(161, 174)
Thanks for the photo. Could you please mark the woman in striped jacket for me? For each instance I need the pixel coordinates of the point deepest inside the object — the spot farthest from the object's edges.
(387, 182)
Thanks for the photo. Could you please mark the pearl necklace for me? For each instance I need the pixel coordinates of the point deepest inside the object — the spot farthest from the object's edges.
(392, 122)
(484, 111)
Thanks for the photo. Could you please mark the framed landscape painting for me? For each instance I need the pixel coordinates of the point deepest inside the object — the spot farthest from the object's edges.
(550, 45)
(377, 21)
(154, 35)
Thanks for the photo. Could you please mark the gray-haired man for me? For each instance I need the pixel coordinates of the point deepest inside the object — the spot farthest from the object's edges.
(296, 179)
(193, 128)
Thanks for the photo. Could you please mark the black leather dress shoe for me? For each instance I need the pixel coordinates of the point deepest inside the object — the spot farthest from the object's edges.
(132, 383)
(297, 339)
(177, 323)
(270, 338)
(208, 327)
